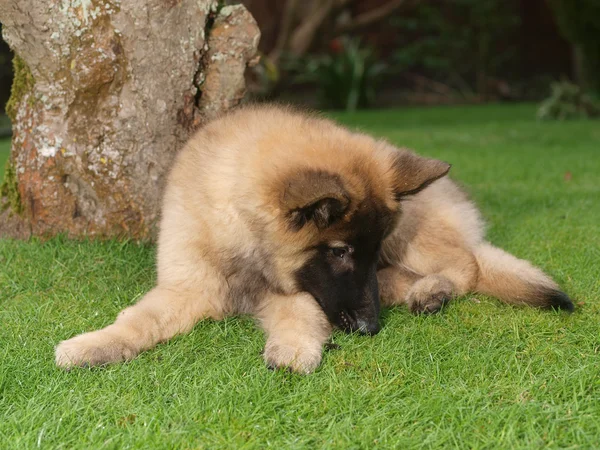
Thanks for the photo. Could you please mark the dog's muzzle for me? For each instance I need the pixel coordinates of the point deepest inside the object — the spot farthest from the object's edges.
(362, 326)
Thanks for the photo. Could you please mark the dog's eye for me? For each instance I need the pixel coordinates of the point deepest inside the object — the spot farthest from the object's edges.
(341, 252)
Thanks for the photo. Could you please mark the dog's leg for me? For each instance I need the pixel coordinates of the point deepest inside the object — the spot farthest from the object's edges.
(454, 275)
(296, 329)
(162, 313)
(429, 294)
(394, 285)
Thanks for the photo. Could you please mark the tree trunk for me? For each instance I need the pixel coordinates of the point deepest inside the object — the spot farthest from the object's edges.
(105, 94)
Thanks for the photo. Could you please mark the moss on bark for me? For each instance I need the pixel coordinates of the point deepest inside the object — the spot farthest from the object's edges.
(9, 191)
(22, 84)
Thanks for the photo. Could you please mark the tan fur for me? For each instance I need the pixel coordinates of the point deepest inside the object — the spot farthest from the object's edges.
(226, 245)
(509, 278)
(441, 235)
(296, 330)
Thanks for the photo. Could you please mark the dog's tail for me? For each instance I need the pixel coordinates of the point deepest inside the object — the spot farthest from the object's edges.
(516, 281)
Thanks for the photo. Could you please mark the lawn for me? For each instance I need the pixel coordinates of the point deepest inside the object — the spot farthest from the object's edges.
(479, 375)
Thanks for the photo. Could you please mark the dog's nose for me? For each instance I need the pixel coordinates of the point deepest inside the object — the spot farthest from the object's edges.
(368, 328)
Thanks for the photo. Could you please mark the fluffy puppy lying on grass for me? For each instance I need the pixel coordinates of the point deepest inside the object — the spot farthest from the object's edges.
(307, 226)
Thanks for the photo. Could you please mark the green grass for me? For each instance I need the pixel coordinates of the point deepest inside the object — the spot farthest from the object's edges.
(479, 375)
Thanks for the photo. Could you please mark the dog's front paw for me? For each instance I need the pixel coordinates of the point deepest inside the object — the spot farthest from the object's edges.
(299, 356)
(93, 349)
(429, 294)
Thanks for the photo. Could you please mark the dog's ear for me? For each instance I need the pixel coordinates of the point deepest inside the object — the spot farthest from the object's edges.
(414, 173)
(316, 196)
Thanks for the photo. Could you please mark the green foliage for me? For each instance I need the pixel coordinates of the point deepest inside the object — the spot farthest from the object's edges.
(481, 375)
(346, 77)
(579, 22)
(4, 154)
(4, 123)
(567, 101)
(23, 82)
(461, 42)
(266, 76)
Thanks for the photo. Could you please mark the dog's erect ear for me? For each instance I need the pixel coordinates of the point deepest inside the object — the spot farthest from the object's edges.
(414, 173)
(316, 196)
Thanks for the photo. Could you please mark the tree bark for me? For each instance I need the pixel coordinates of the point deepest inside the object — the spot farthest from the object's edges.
(108, 92)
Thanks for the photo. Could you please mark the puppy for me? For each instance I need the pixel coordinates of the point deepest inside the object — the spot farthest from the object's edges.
(307, 226)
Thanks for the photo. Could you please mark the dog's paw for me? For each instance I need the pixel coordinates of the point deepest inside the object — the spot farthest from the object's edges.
(430, 305)
(429, 294)
(302, 357)
(93, 349)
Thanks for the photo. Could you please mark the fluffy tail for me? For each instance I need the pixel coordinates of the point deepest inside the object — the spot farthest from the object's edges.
(516, 281)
